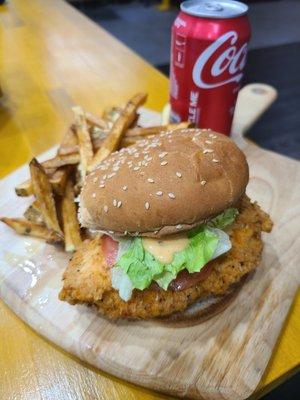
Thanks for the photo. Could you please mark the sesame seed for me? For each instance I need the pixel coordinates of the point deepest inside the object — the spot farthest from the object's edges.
(203, 183)
(178, 226)
(164, 163)
(207, 151)
(155, 232)
(162, 155)
(104, 177)
(111, 232)
(215, 160)
(136, 168)
(159, 193)
(147, 205)
(150, 180)
(179, 174)
(111, 175)
(105, 208)
(116, 168)
(95, 179)
(94, 195)
(115, 202)
(102, 185)
(125, 187)
(125, 232)
(119, 204)
(208, 141)
(171, 195)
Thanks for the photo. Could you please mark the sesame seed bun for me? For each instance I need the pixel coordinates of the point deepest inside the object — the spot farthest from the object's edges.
(164, 185)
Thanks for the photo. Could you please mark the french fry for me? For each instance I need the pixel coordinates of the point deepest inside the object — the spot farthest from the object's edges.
(84, 140)
(43, 192)
(69, 143)
(112, 114)
(155, 130)
(71, 226)
(58, 180)
(68, 150)
(93, 120)
(111, 143)
(33, 213)
(24, 189)
(61, 160)
(28, 228)
(97, 143)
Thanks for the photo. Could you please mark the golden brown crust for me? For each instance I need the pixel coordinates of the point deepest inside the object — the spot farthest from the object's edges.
(169, 184)
(87, 279)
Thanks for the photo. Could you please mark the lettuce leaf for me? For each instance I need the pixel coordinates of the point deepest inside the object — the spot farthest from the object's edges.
(121, 282)
(139, 265)
(226, 218)
(141, 268)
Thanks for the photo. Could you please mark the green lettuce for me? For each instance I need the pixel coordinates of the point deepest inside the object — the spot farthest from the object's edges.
(226, 218)
(143, 268)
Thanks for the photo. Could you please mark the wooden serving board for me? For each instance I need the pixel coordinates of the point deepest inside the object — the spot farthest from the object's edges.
(223, 357)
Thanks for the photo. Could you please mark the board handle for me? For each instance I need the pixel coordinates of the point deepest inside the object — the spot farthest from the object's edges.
(253, 100)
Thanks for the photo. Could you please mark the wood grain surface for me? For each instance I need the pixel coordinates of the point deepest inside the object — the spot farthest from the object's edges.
(54, 58)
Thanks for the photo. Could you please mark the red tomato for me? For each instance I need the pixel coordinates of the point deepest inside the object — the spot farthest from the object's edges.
(185, 280)
(110, 249)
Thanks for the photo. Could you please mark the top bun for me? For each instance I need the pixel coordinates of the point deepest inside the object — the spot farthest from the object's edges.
(169, 183)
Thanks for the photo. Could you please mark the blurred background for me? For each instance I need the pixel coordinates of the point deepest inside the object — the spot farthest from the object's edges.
(274, 56)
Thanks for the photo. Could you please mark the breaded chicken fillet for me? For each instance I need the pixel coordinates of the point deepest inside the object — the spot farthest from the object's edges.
(87, 278)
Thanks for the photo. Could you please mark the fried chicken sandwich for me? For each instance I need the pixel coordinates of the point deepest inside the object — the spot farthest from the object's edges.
(175, 228)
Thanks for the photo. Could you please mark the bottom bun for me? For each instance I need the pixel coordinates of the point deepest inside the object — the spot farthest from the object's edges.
(204, 308)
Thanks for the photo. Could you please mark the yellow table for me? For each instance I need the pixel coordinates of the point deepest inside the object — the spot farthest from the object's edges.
(52, 58)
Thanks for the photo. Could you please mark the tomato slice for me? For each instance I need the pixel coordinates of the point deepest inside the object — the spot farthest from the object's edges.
(110, 249)
(185, 280)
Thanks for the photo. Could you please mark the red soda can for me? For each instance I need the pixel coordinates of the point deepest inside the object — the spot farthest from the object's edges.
(208, 55)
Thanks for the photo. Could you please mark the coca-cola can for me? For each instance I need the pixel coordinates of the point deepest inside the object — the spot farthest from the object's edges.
(208, 56)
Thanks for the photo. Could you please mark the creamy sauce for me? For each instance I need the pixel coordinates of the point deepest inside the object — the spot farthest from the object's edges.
(163, 249)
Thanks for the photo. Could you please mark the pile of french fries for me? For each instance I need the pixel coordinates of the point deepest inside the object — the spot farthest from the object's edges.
(55, 183)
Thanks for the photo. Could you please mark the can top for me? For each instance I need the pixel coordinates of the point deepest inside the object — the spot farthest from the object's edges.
(214, 9)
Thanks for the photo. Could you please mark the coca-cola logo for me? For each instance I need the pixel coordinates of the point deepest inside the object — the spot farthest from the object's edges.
(231, 60)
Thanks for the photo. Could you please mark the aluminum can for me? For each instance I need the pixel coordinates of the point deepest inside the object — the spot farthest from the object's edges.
(208, 56)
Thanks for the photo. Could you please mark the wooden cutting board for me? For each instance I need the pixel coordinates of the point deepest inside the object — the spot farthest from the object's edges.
(224, 357)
